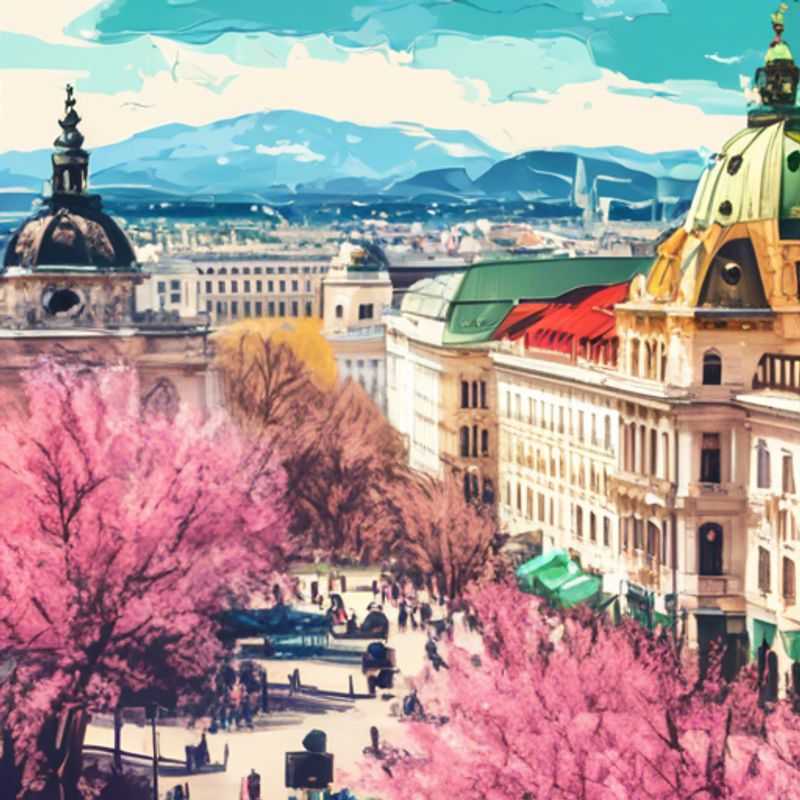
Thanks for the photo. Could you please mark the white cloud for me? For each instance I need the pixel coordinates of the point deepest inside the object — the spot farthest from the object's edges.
(32, 19)
(301, 152)
(223, 160)
(365, 88)
(717, 58)
(353, 139)
(454, 149)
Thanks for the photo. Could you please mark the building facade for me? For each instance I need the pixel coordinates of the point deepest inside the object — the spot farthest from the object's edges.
(355, 293)
(68, 289)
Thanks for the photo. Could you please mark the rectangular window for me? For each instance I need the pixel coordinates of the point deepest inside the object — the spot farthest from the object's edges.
(175, 298)
(638, 534)
(762, 456)
(295, 308)
(464, 394)
(270, 309)
(256, 270)
(710, 459)
(508, 404)
(578, 522)
(652, 540)
(220, 309)
(309, 310)
(308, 286)
(247, 308)
(162, 287)
(259, 286)
(485, 443)
(209, 306)
(295, 287)
(529, 503)
(221, 287)
(235, 286)
(234, 309)
(606, 532)
(270, 286)
(175, 286)
(259, 308)
(247, 286)
(483, 395)
(282, 286)
(788, 581)
(281, 309)
(209, 287)
(365, 311)
(763, 570)
(592, 527)
(788, 474)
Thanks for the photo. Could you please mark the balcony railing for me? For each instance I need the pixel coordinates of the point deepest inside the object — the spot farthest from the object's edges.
(713, 585)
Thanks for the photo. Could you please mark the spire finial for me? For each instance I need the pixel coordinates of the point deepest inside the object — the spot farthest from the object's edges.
(70, 161)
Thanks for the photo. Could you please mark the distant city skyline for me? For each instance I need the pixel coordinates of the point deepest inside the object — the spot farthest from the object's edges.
(648, 74)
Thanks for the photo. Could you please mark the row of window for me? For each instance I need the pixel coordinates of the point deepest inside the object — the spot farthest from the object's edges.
(533, 499)
(641, 451)
(552, 463)
(360, 363)
(247, 286)
(788, 578)
(473, 395)
(468, 440)
(764, 470)
(263, 270)
(543, 415)
(592, 532)
(645, 538)
(256, 309)
(472, 489)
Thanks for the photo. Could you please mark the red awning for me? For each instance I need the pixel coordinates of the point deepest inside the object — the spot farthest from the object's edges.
(518, 319)
(554, 326)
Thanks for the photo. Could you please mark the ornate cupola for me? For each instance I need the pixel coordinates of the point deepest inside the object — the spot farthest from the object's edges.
(70, 160)
(776, 81)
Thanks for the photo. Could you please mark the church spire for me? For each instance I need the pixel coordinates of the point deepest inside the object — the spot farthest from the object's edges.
(70, 161)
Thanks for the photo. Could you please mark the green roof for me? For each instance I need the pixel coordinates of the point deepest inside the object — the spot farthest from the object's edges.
(578, 590)
(488, 291)
(431, 297)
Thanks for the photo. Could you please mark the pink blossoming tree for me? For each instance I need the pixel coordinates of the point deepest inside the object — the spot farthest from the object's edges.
(553, 707)
(125, 533)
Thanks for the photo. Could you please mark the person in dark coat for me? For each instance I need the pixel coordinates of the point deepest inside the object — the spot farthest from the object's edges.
(253, 785)
(413, 617)
(432, 652)
(375, 589)
(402, 617)
(352, 623)
(201, 752)
(425, 613)
(395, 592)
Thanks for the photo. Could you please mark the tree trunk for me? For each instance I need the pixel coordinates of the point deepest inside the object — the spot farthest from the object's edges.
(118, 740)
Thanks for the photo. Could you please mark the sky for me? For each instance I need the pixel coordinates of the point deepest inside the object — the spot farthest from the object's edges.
(649, 74)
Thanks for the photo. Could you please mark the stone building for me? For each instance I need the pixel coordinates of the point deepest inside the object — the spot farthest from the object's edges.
(68, 284)
(355, 293)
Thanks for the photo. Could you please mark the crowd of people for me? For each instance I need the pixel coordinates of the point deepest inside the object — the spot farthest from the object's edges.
(240, 694)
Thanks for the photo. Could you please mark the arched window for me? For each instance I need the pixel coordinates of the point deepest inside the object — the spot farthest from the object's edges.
(711, 549)
(339, 312)
(223, 271)
(474, 441)
(464, 442)
(712, 368)
(488, 491)
(235, 271)
(635, 357)
(484, 443)
(474, 394)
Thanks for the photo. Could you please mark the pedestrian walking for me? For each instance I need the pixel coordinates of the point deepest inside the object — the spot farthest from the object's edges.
(432, 652)
(395, 593)
(375, 589)
(253, 785)
(384, 593)
(402, 617)
(413, 617)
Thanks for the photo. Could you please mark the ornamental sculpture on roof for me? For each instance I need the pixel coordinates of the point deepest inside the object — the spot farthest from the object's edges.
(777, 80)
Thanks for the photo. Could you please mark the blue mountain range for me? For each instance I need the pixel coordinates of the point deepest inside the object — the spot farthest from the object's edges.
(261, 156)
